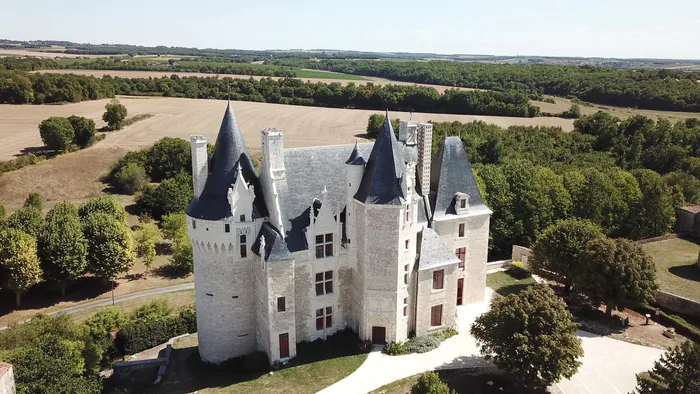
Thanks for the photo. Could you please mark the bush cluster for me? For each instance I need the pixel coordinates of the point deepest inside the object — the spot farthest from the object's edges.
(145, 334)
(430, 383)
(419, 344)
(67, 134)
(519, 270)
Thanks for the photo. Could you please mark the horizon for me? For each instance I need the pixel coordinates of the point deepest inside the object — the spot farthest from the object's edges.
(625, 29)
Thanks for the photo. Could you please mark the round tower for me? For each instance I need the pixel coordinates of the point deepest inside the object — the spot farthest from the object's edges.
(221, 247)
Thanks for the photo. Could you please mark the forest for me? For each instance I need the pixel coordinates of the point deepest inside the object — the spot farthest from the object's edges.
(627, 176)
(664, 90)
(20, 87)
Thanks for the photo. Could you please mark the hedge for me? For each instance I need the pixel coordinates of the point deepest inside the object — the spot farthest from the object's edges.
(682, 327)
(420, 344)
(138, 337)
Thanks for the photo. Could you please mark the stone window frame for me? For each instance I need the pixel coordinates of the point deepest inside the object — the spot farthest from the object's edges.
(324, 283)
(461, 230)
(461, 254)
(405, 279)
(281, 304)
(325, 243)
(436, 316)
(243, 245)
(463, 203)
(194, 224)
(227, 228)
(324, 318)
(405, 306)
(408, 244)
(439, 279)
(408, 213)
(242, 218)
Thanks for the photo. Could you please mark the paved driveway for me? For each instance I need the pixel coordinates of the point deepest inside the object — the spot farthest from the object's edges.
(609, 366)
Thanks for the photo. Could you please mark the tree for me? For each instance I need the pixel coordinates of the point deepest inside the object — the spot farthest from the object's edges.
(115, 114)
(655, 212)
(62, 246)
(145, 238)
(687, 184)
(556, 251)
(110, 245)
(29, 220)
(574, 112)
(84, 130)
(130, 178)
(103, 204)
(34, 201)
(616, 272)
(174, 225)
(182, 260)
(678, 371)
(501, 202)
(18, 262)
(168, 158)
(57, 133)
(53, 365)
(171, 195)
(531, 335)
(430, 383)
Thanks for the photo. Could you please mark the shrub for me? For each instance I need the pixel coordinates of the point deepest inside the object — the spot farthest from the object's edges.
(519, 270)
(430, 383)
(420, 344)
(139, 336)
(139, 157)
(34, 201)
(114, 115)
(57, 133)
(130, 178)
(154, 310)
(84, 130)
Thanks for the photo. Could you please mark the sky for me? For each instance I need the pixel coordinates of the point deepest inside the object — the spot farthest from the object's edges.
(590, 28)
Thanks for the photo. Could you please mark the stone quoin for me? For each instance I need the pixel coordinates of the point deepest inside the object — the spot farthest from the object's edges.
(377, 237)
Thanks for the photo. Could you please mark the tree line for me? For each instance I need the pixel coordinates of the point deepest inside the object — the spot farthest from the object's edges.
(665, 90)
(17, 87)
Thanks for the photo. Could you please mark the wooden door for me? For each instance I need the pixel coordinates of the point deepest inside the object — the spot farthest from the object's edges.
(284, 345)
(378, 335)
(460, 290)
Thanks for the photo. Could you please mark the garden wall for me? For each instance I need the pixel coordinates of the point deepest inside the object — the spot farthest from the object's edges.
(521, 253)
(7, 379)
(677, 303)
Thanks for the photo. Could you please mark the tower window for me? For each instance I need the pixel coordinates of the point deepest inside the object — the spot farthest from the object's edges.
(462, 256)
(438, 279)
(227, 228)
(194, 224)
(407, 244)
(405, 279)
(324, 318)
(281, 304)
(461, 230)
(436, 316)
(243, 246)
(242, 218)
(324, 283)
(324, 245)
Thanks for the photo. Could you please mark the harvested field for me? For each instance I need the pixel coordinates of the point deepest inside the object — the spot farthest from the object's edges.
(75, 176)
(51, 55)
(563, 104)
(158, 74)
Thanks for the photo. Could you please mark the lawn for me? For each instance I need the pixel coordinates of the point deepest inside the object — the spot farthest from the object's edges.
(176, 300)
(317, 366)
(463, 382)
(504, 284)
(676, 269)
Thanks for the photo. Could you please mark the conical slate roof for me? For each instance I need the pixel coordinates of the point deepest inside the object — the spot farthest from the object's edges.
(381, 183)
(355, 158)
(230, 150)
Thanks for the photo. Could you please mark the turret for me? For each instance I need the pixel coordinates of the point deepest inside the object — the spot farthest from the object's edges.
(355, 167)
(200, 163)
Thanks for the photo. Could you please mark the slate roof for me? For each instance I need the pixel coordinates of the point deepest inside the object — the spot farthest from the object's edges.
(307, 172)
(229, 150)
(381, 183)
(355, 158)
(433, 252)
(451, 172)
(275, 248)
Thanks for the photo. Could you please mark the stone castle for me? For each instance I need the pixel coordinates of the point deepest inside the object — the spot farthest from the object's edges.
(376, 237)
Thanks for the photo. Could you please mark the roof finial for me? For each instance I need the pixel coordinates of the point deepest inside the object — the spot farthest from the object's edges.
(239, 168)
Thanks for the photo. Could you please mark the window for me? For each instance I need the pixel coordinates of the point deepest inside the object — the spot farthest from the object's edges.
(405, 279)
(227, 228)
(408, 212)
(436, 316)
(244, 249)
(242, 218)
(405, 267)
(438, 279)
(462, 256)
(324, 318)
(324, 283)
(463, 203)
(461, 230)
(281, 304)
(324, 245)
(405, 308)
(194, 224)
(407, 243)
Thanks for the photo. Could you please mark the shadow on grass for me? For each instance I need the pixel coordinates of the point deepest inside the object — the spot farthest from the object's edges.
(38, 151)
(689, 271)
(469, 381)
(188, 373)
(513, 289)
(170, 272)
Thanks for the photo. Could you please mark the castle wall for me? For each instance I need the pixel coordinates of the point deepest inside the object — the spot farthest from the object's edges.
(224, 289)
(429, 297)
(281, 281)
(262, 308)
(475, 240)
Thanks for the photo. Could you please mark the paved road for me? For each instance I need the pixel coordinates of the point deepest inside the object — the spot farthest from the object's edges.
(126, 297)
(609, 366)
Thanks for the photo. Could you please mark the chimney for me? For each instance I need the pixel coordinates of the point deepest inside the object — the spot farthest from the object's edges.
(273, 153)
(407, 132)
(425, 148)
(200, 163)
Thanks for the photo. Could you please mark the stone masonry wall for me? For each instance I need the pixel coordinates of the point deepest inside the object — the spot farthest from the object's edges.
(7, 379)
(303, 286)
(281, 284)
(261, 308)
(428, 297)
(677, 303)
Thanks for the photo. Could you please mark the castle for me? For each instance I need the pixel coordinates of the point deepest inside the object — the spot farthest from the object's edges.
(376, 237)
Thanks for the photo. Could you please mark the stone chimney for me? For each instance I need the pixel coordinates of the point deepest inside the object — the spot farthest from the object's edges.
(273, 153)
(200, 163)
(425, 147)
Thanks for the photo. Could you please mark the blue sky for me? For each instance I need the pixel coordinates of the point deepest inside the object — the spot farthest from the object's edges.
(607, 28)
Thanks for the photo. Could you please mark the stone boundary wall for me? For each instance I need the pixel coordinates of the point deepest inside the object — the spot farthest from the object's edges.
(677, 303)
(520, 253)
(494, 265)
(144, 371)
(659, 238)
(7, 379)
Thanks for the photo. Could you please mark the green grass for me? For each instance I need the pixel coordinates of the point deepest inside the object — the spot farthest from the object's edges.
(65, 61)
(464, 381)
(504, 284)
(676, 269)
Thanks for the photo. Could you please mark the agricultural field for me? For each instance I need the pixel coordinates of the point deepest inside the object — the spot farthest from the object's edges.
(40, 52)
(563, 104)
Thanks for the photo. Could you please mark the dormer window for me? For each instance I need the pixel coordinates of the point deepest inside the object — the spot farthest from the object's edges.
(324, 245)
(242, 218)
(461, 203)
